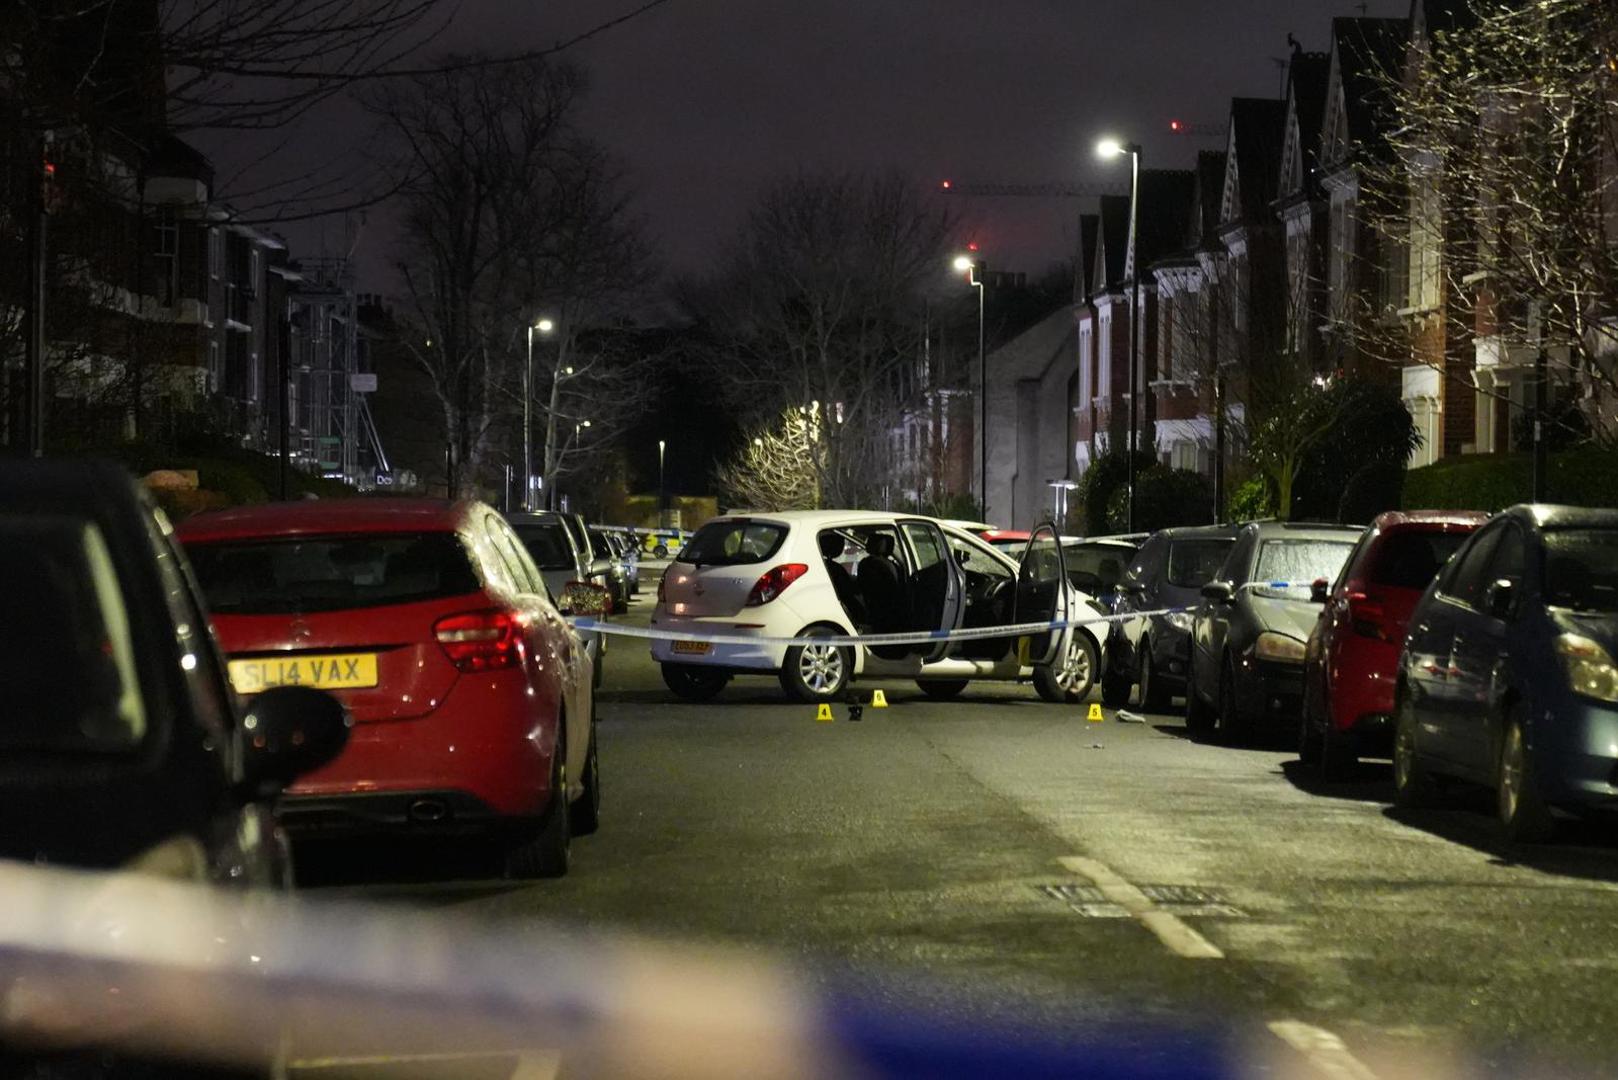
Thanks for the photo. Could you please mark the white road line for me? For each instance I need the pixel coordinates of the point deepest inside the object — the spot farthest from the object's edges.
(531, 1065)
(1170, 929)
(1325, 1051)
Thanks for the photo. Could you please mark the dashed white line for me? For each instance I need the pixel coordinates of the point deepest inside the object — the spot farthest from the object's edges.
(530, 1065)
(1170, 929)
(1325, 1051)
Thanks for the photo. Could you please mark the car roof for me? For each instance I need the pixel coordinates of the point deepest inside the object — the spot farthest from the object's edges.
(316, 517)
(821, 518)
(1110, 541)
(1317, 530)
(1551, 516)
(1393, 520)
(1200, 532)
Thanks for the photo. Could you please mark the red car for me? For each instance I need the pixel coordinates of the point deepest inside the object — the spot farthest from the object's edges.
(1352, 656)
(471, 696)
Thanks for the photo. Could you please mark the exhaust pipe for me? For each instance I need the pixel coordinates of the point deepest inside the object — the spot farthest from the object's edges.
(428, 810)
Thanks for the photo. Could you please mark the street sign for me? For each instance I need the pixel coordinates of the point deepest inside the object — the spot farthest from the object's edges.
(362, 382)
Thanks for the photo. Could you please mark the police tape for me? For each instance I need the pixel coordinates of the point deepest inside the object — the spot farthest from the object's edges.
(585, 625)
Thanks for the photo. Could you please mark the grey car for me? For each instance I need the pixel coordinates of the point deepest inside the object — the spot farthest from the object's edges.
(555, 550)
(1154, 651)
(1248, 635)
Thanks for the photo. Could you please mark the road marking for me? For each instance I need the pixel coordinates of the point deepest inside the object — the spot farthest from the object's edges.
(1170, 929)
(1324, 1050)
(531, 1065)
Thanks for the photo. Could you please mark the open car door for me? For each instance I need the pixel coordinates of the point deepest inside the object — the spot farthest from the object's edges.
(1042, 591)
(936, 597)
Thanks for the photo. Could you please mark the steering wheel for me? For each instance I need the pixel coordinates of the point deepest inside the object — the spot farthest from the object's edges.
(996, 602)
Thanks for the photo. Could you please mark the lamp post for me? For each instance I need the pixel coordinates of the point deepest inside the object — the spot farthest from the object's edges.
(544, 326)
(1114, 148)
(662, 492)
(973, 269)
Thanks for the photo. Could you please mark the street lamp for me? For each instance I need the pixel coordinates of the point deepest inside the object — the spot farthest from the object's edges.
(544, 326)
(1114, 148)
(662, 492)
(973, 269)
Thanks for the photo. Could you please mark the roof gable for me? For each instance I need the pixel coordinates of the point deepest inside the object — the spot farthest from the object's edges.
(1166, 197)
(1112, 243)
(1253, 151)
(1307, 78)
(1365, 54)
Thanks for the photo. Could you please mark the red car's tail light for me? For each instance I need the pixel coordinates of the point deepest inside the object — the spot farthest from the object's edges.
(479, 640)
(775, 582)
(1367, 616)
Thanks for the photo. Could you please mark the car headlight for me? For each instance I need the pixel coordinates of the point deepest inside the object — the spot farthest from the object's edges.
(1273, 646)
(1180, 620)
(1589, 667)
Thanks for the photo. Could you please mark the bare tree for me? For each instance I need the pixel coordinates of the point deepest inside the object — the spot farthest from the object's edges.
(779, 467)
(818, 305)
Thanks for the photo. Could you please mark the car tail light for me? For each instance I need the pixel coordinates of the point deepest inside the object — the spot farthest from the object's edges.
(1367, 616)
(775, 582)
(479, 640)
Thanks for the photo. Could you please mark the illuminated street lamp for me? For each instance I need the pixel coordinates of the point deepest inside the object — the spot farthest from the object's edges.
(1111, 148)
(544, 326)
(973, 269)
(662, 491)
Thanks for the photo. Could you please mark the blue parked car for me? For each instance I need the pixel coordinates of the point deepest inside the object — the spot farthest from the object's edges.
(1508, 678)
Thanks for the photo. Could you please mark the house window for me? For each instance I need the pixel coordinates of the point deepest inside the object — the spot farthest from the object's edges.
(253, 270)
(216, 252)
(216, 369)
(1086, 372)
(1104, 357)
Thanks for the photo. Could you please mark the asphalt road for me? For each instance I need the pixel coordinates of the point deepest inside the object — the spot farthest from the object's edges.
(1000, 856)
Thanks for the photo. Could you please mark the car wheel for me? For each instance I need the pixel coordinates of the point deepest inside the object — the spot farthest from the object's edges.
(1522, 809)
(942, 689)
(1154, 696)
(586, 810)
(813, 673)
(1070, 679)
(661, 551)
(1199, 718)
(547, 852)
(1235, 726)
(1115, 690)
(692, 682)
(1413, 785)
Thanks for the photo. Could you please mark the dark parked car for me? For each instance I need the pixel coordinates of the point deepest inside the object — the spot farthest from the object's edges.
(122, 745)
(1508, 676)
(1247, 640)
(1096, 564)
(1353, 653)
(1169, 571)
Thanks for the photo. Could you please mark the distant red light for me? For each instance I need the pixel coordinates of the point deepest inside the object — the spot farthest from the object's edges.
(946, 185)
(1174, 125)
(973, 246)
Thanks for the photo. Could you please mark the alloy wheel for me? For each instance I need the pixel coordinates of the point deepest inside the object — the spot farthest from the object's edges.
(821, 667)
(1075, 670)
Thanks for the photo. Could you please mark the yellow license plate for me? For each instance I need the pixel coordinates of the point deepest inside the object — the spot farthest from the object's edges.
(343, 671)
(697, 648)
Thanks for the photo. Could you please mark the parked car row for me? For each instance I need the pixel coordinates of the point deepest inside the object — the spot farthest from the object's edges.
(184, 699)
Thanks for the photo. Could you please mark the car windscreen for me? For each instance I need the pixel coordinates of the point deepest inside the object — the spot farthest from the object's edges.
(1193, 563)
(68, 666)
(1096, 568)
(1411, 558)
(1581, 569)
(733, 543)
(1287, 566)
(600, 546)
(547, 542)
(330, 573)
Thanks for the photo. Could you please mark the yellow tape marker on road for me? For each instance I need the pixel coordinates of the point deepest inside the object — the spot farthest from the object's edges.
(879, 700)
(1095, 716)
(823, 714)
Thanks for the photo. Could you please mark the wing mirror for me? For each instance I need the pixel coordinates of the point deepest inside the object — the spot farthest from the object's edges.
(962, 556)
(1220, 592)
(1319, 591)
(289, 731)
(585, 598)
(1129, 588)
(1502, 597)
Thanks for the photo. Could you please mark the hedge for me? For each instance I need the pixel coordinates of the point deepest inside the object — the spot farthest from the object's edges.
(1585, 477)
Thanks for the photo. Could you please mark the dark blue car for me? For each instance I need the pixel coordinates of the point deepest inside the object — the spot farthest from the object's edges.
(1508, 678)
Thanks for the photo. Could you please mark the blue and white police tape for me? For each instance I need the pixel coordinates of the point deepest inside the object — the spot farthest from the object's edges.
(700, 632)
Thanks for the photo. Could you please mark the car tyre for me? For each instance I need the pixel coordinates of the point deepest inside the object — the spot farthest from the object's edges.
(1199, 717)
(693, 682)
(1523, 812)
(547, 852)
(1154, 696)
(661, 551)
(816, 673)
(586, 809)
(942, 689)
(1413, 786)
(1115, 690)
(1234, 726)
(1070, 680)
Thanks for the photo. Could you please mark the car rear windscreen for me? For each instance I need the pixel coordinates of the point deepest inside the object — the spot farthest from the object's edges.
(331, 573)
(547, 542)
(1193, 563)
(1286, 568)
(1581, 569)
(733, 543)
(68, 661)
(1411, 558)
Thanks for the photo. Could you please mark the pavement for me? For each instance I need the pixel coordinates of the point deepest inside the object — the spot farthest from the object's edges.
(999, 858)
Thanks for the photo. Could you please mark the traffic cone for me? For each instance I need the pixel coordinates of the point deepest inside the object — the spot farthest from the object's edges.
(823, 714)
(879, 700)
(1095, 716)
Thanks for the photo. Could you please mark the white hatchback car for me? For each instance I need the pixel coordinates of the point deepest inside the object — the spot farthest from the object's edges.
(842, 572)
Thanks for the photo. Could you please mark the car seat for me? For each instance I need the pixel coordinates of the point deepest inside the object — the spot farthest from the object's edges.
(882, 585)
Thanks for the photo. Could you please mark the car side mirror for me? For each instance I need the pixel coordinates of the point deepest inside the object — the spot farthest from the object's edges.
(1319, 590)
(1129, 588)
(962, 556)
(585, 598)
(1221, 592)
(288, 731)
(1502, 597)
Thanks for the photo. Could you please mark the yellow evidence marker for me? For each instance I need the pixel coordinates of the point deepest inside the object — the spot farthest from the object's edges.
(823, 714)
(879, 700)
(1095, 716)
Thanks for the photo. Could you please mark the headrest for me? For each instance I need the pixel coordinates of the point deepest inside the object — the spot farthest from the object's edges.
(881, 544)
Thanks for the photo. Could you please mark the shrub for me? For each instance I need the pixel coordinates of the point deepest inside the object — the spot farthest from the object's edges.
(1164, 498)
(1108, 475)
(1377, 487)
(1251, 500)
(1584, 477)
